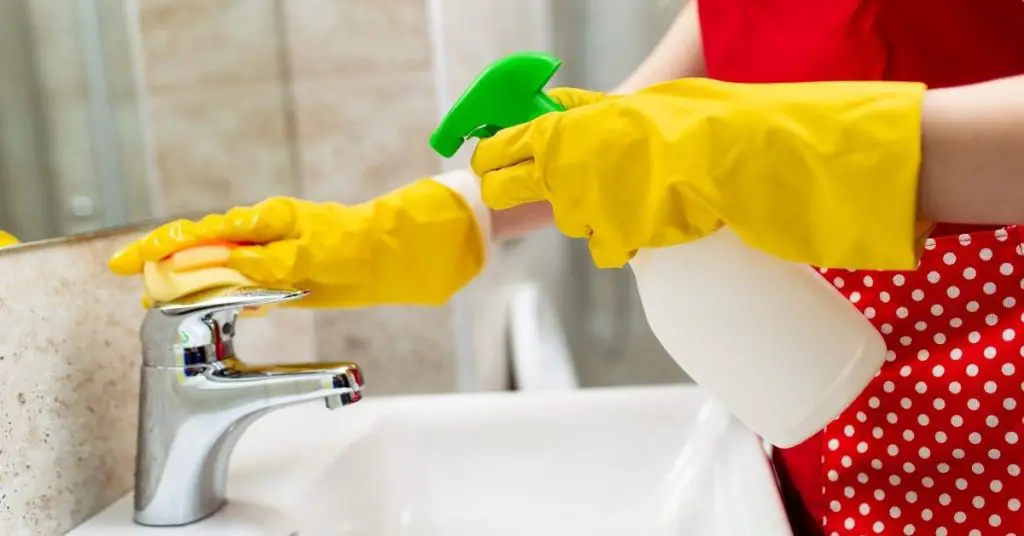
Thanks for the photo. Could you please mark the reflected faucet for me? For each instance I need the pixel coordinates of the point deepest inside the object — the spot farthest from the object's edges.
(197, 398)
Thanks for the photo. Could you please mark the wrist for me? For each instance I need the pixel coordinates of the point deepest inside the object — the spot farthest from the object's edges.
(496, 225)
(464, 183)
(520, 221)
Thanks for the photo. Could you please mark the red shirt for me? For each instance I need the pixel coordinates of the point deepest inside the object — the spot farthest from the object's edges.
(942, 43)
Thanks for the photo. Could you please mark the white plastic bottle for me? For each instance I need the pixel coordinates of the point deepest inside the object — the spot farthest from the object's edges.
(770, 339)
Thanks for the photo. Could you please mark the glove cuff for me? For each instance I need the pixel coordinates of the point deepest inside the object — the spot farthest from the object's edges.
(465, 183)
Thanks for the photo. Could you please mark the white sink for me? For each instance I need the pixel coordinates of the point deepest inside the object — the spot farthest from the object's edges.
(591, 462)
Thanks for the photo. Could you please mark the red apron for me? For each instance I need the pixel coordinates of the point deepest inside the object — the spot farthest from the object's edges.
(935, 444)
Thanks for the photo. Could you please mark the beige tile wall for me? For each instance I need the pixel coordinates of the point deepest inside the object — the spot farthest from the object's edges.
(217, 96)
(329, 99)
(365, 105)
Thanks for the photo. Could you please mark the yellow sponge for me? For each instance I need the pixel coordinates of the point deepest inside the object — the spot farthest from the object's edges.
(190, 271)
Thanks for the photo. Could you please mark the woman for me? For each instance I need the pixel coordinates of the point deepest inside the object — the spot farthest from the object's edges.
(847, 176)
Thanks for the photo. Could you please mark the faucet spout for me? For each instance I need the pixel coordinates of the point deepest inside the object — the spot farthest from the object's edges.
(271, 386)
(197, 398)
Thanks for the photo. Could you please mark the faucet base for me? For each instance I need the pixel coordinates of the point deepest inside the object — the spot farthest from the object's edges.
(159, 519)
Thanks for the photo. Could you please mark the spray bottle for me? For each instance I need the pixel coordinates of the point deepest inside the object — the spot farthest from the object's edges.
(771, 340)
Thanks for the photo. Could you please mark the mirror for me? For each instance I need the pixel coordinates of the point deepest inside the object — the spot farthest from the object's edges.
(114, 112)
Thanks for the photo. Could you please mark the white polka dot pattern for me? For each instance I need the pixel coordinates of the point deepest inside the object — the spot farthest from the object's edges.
(934, 444)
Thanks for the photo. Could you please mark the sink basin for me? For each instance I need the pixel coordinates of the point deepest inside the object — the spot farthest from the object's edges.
(595, 462)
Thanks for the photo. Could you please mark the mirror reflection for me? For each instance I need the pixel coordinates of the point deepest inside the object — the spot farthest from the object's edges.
(114, 113)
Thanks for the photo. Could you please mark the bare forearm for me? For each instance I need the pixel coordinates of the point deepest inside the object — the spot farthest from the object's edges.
(973, 154)
(679, 54)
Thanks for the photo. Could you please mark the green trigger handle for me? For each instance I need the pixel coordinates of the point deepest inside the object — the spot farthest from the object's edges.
(509, 92)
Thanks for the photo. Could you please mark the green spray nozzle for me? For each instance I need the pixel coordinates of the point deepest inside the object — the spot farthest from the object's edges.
(508, 93)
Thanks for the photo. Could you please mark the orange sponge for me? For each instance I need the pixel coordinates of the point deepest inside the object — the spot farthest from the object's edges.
(199, 257)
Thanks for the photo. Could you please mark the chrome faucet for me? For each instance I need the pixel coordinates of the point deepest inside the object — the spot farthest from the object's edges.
(197, 398)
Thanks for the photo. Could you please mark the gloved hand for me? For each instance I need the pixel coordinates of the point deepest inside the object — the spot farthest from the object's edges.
(818, 173)
(7, 239)
(415, 245)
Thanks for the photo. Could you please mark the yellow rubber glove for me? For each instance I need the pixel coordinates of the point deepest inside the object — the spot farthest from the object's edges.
(416, 245)
(7, 239)
(818, 173)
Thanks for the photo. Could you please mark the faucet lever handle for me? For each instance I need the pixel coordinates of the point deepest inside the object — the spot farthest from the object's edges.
(219, 299)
